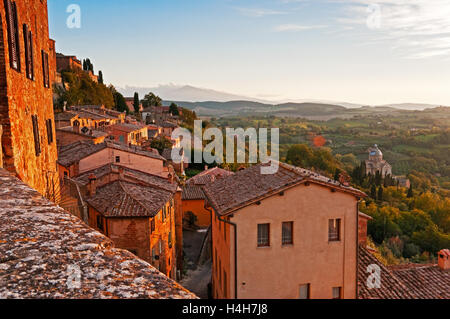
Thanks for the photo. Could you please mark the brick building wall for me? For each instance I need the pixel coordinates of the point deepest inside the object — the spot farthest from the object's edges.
(136, 235)
(21, 98)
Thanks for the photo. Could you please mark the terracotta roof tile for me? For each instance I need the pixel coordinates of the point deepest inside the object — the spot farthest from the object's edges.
(192, 192)
(124, 199)
(427, 282)
(40, 243)
(230, 193)
(391, 286)
(73, 153)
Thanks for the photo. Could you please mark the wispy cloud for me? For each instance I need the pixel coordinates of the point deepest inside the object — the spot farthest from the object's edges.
(257, 12)
(297, 27)
(419, 28)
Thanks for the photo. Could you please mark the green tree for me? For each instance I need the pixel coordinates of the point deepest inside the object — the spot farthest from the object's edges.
(380, 193)
(300, 155)
(173, 109)
(373, 192)
(136, 102)
(119, 102)
(161, 144)
(100, 77)
(410, 192)
(151, 99)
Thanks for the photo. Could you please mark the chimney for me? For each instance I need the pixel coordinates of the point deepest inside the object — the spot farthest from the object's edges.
(206, 167)
(363, 219)
(92, 186)
(444, 259)
(76, 126)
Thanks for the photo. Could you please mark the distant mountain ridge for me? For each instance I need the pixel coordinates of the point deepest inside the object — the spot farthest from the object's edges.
(208, 102)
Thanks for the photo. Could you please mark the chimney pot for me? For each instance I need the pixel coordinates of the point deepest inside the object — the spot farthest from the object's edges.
(444, 259)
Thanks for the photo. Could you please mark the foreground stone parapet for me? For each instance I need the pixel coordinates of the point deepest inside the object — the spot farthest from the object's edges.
(45, 252)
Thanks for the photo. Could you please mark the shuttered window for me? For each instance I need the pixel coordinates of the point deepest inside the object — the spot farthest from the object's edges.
(45, 70)
(37, 141)
(13, 34)
(263, 235)
(49, 131)
(29, 60)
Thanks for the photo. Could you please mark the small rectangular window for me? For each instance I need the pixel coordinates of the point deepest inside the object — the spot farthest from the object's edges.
(337, 293)
(29, 61)
(304, 291)
(287, 233)
(117, 159)
(45, 70)
(100, 222)
(49, 131)
(13, 34)
(334, 230)
(263, 235)
(37, 140)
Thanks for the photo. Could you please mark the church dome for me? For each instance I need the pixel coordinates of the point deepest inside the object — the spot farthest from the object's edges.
(375, 151)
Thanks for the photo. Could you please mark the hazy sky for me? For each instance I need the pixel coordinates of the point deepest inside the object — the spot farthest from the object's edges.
(363, 51)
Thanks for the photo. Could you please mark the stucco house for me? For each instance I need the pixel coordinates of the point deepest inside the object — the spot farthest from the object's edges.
(288, 235)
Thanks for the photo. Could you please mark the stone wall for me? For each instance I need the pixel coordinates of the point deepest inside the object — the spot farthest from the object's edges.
(20, 98)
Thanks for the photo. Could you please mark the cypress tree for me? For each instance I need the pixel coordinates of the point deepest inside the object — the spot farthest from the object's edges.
(100, 77)
(373, 192)
(136, 101)
(410, 192)
(380, 193)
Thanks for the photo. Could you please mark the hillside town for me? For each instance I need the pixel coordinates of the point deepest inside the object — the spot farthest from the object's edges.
(92, 205)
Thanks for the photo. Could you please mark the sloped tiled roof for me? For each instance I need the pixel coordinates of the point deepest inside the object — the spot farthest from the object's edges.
(391, 287)
(138, 176)
(426, 282)
(127, 127)
(192, 192)
(42, 245)
(209, 176)
(124, 199)
(235, 191)
(73, 153)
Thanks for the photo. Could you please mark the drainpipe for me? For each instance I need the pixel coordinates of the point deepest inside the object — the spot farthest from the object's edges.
(235, 250)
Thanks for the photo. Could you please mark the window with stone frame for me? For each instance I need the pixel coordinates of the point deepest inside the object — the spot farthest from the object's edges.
(49, 131)
(334, 230)
(263, 235)
(13, 34)
(287, 236)
(29, 58)
(37, 140)
(45, 69)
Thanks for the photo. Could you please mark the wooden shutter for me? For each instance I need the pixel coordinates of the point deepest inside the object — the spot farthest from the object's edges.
(28, 41)
(13, 34)
(45, 70)
(37, 141)
(49, 131)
